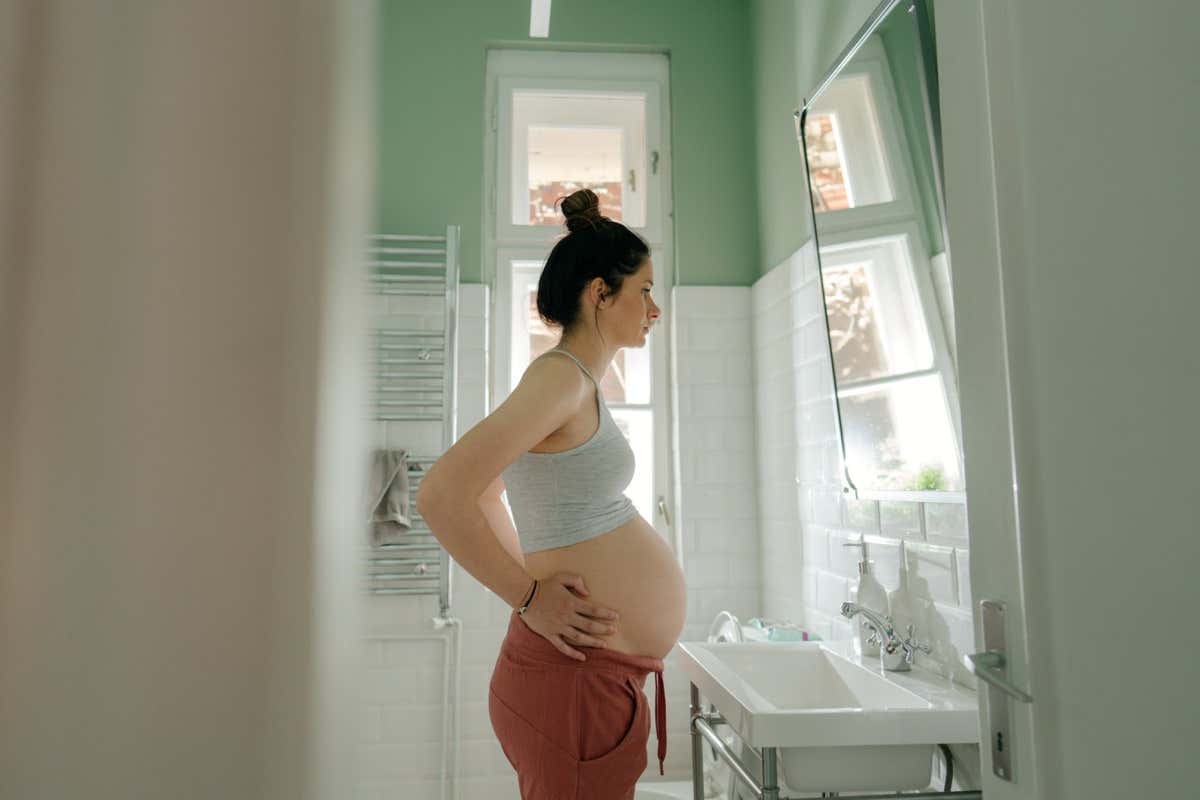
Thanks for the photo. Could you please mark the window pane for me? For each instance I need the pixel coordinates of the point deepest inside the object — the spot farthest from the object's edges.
(829, 189)
(853, 334)
(566, 159)
(638, 426)
(541, 337)
(844, 144)
(899, 437)
(563, 141)
(876, 323)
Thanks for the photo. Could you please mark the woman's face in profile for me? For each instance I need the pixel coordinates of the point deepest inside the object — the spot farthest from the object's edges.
(634, 311)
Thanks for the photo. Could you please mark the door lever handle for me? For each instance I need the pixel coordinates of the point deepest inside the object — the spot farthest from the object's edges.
(987, 665)
(662, 509)
(991, 667)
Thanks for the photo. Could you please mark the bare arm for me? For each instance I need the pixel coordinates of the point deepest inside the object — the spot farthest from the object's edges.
(470, 534)
(451, 493)
(492, 505)
(454, 499)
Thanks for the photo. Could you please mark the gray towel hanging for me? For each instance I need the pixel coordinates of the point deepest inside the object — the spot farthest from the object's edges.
(389, 496)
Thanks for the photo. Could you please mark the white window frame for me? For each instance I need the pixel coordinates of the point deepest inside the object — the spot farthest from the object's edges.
(626, 73)
(633, 146)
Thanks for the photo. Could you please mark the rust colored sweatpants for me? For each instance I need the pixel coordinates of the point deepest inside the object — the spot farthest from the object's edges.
(573, 730)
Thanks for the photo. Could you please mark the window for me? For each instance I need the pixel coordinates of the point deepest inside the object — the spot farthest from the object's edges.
(565, 141)
(846, 147)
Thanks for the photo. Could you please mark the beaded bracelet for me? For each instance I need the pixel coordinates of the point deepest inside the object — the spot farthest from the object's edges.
(525, 605)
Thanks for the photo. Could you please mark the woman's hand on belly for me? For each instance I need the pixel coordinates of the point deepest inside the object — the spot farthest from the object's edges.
(633, 570)
(563, 619)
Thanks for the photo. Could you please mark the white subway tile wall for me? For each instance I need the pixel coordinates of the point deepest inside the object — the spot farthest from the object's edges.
(718, 472)
(401, 748)
(805, 518)
(885, 555)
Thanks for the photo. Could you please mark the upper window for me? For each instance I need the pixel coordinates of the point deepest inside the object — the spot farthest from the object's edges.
(560, 128)
(563, 142)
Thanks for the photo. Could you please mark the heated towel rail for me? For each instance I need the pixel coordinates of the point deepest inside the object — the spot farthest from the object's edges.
(415, 347)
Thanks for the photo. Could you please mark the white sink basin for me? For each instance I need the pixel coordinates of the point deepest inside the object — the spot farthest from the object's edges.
(839, 721)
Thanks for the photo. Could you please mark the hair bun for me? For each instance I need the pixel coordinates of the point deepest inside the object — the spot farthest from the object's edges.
(582, 210)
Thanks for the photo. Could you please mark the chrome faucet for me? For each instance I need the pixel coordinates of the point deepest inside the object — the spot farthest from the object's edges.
(725, 620)
(895, 652)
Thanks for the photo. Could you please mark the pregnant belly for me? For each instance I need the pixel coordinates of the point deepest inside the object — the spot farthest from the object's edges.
(632, 570)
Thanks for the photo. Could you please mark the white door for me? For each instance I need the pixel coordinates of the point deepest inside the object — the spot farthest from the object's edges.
(549, 136)
(1010, 766)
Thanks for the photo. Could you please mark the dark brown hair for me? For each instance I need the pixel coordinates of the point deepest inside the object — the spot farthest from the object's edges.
(594, 247)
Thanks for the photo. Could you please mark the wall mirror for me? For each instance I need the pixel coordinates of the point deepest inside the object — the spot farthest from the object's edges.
(870, 138)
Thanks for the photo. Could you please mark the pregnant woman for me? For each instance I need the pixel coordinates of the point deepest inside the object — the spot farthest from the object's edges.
(599, 597)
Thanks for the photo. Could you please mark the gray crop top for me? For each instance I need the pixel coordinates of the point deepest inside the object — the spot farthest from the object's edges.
(566, 497)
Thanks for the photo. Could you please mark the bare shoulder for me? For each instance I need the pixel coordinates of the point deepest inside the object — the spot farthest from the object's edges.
(551, 390)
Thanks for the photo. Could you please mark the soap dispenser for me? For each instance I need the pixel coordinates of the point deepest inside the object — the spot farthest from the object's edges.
(871, 595)
(899, 605)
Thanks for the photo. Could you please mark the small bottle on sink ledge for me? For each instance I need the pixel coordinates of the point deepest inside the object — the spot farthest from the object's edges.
(870, 594)
(782, 631)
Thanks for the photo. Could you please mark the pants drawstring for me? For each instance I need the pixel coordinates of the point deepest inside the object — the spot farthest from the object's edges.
(660, 718)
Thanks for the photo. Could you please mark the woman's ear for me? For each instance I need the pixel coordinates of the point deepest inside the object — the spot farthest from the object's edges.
(599, 290)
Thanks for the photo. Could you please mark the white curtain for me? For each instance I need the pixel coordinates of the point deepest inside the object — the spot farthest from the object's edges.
(183, 192)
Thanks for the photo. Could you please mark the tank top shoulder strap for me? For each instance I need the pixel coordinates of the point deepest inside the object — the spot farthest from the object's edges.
(577, 361)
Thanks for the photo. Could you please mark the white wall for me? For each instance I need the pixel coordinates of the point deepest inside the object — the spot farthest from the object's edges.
(1072, 223)
(717, 470)
(185, 198)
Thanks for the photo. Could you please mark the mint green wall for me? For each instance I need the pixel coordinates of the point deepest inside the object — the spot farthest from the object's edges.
(433, 57)
(900, 45)
(793, 42)
(782, 208)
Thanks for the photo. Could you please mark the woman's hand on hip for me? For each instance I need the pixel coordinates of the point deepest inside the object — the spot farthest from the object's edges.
(562, 617)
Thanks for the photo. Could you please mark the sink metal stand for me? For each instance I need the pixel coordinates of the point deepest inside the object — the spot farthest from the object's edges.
(702, 729)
